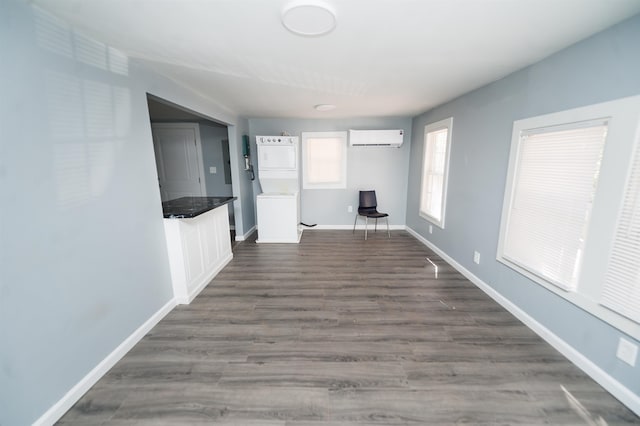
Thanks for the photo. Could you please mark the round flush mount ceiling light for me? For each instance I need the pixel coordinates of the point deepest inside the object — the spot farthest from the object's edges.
(309, 18)
(324, 107)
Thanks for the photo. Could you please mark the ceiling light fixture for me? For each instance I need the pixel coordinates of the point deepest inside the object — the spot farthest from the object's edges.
(309, 18)
(324, 107)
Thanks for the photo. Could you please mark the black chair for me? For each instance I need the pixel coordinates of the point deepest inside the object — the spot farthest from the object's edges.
(368, 208)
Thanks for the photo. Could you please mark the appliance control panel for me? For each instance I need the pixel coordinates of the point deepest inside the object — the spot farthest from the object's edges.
(276, 140)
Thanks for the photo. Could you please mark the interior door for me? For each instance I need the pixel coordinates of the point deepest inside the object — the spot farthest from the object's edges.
(178, 160)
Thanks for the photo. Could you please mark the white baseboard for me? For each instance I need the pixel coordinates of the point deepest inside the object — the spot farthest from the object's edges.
(381, 227)
(617, 389)
(56, 411)
(246, 234)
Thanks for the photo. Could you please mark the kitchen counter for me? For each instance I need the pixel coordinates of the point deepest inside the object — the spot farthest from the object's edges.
(189, 207)
(198, 242)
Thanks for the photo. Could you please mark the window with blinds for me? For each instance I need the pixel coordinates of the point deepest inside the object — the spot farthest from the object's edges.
(550, 196)
(324, 160)
(621, 290)
(435, 164)
(571, 211)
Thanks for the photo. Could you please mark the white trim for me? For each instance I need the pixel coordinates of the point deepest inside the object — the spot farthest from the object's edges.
(246, 234)
(617, 389)
(381, 227)
(58, 409)
(447, 123)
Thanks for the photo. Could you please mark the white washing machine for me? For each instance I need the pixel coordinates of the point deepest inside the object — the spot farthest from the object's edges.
(279, 218)
(278, 206)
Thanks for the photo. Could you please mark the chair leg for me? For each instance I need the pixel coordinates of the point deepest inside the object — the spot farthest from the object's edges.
(376, 230)
(366, 222)
(354, 224)
(388, 233)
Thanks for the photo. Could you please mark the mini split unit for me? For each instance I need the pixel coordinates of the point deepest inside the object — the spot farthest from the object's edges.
(392, 138)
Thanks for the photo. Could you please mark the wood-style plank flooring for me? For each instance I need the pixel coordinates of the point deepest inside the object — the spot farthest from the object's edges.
(339, 331)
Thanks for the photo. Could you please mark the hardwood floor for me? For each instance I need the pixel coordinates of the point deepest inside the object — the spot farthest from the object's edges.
(336, 331)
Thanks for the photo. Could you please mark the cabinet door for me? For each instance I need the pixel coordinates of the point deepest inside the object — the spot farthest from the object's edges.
(224, 233)
(194, 261)
(209, 230)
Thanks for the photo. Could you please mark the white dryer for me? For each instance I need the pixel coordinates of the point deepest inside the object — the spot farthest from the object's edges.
(278, 206)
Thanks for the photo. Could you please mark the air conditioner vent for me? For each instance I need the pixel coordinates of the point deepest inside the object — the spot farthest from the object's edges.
(390, 138)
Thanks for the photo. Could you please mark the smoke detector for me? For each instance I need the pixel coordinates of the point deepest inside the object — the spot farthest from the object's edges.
(309, 18)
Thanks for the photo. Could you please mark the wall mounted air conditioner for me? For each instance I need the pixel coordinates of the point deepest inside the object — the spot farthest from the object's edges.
(393, 138)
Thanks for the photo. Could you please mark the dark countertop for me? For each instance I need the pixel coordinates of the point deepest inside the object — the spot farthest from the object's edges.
(188, 207)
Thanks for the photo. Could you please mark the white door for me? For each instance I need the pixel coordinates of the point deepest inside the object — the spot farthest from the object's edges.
(178, 159)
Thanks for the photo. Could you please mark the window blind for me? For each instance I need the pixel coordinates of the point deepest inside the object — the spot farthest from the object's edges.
(324, 160)
(621, 290)
(552, 193)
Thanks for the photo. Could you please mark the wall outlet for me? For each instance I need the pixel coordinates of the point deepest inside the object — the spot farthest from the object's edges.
(431, 229)
(349, 209)
(627, 352)
(213, 170)
(476, 257)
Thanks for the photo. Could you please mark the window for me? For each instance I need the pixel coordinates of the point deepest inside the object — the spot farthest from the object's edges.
(435, 167)
(324, 160)
(551, 193)
(621, 292)
(571, 210)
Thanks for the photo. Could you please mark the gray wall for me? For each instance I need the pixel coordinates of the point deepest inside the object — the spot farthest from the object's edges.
(601, 68)
(212, 155)
(382, 169)
(83, 259)
(211, 138)
(242, 183)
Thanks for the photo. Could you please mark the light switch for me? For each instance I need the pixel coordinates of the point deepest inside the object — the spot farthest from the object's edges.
(213, 170)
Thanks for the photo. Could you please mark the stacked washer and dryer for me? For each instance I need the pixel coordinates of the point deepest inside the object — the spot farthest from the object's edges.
(278, 206)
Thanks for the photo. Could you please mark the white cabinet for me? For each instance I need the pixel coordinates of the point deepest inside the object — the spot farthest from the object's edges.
(198, 249)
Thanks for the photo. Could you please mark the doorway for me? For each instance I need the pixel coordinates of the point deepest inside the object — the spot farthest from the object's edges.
(192, 154)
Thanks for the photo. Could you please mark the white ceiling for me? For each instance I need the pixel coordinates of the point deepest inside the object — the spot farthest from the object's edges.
(385, 57)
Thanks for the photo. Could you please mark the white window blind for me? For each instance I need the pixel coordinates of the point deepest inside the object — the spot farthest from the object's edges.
(552, 190)
(324, 160)
(621, 291)
(434, 171)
